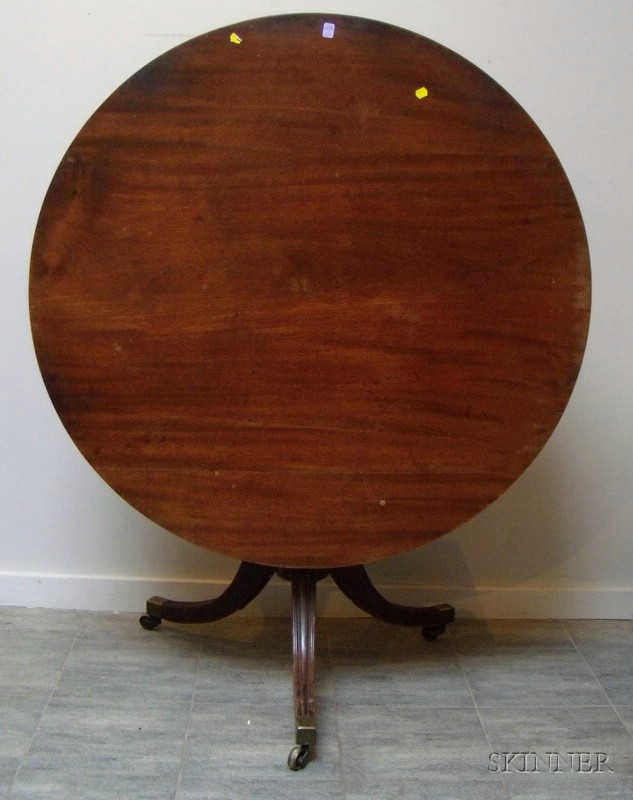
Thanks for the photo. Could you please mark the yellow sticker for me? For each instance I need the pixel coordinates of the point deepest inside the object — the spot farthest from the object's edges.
(235, 38)
(421, 92)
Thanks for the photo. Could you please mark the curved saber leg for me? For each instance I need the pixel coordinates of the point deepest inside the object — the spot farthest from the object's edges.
(356, 585)
(248, 582)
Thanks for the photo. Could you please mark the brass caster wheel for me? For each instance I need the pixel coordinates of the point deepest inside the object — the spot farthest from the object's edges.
(299, 757)
(149, 623)
(431, 632)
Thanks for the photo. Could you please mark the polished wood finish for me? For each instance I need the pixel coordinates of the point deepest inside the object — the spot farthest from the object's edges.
(296, 314)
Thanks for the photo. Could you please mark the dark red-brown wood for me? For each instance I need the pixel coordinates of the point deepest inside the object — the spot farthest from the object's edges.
(297, 315)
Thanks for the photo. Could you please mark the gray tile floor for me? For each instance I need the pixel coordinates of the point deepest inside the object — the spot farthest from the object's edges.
(92, 707)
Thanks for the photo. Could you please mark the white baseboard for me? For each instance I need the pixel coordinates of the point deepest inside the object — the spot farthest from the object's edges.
(98, 593)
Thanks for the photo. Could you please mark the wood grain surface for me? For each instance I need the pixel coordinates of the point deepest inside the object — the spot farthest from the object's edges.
(295, 313)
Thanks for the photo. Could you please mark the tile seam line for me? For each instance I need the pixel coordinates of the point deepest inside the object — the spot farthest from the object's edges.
(338, 708)
(458, 656)
(46, 706)
(183, 750)
(595, 677)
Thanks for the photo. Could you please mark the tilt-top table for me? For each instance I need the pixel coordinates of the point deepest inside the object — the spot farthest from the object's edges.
(309, 291)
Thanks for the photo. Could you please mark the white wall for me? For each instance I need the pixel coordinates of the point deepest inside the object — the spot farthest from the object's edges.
(558, 543)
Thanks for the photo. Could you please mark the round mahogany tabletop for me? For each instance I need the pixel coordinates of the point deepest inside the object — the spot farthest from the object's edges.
(310, 290)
